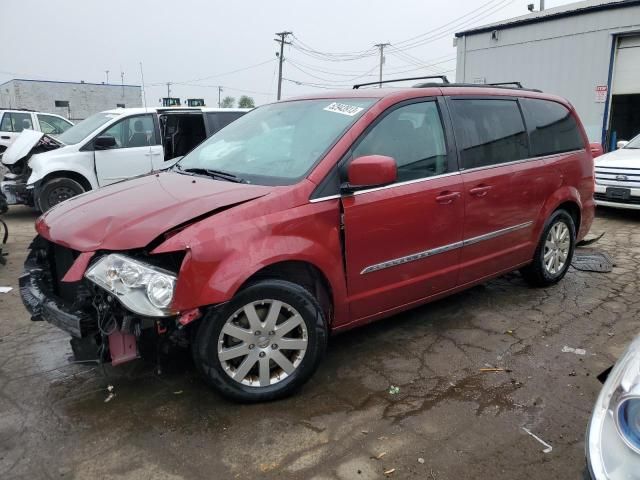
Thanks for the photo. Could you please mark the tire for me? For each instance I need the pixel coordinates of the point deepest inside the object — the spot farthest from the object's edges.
(256, 359)
(538, 273)
(57, 190)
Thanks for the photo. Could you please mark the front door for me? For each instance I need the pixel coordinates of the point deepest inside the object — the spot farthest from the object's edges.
(137, 150)
(402, 241)
(491, 138)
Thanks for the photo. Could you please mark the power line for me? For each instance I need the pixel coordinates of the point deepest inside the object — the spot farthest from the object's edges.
(408, 40)
(365, 74)
(467, 23)
(213, 76)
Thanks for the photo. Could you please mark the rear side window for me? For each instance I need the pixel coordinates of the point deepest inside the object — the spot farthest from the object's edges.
(15, 122)
(488, 132)
(413, 136)
(552, 128)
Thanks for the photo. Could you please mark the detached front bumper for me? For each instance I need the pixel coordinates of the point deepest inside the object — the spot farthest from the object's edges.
(17, 192)
(43, 304)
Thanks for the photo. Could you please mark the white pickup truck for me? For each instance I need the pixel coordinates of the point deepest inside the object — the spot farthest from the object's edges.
(105, 148)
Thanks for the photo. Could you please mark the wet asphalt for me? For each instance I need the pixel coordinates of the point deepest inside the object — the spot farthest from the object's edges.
(448, 420)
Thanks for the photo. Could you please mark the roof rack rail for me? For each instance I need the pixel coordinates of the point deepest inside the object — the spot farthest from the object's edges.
(504, 84)
(441, 77)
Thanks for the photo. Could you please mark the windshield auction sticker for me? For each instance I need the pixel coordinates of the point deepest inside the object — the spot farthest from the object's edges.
(343, 108)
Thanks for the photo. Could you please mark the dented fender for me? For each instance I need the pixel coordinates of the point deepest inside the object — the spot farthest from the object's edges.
(219, 261)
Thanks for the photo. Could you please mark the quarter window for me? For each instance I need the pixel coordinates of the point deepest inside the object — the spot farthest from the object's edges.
(552, 128)
(133, 132)
(16, 122)
(489, 132)
(413, 136)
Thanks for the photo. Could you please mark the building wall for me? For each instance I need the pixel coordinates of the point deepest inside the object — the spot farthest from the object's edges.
(84, 98)
(568, 56)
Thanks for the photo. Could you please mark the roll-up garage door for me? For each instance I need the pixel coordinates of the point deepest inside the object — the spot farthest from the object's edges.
(626, 76)
(625, 91)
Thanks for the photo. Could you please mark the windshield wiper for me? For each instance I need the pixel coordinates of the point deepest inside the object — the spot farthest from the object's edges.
(229, 177)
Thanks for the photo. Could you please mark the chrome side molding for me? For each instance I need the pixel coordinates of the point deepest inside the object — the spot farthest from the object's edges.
(444, 248)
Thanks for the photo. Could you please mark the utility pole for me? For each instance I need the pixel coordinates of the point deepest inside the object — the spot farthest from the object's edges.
(168, 89)
(282, 41)
(541, 5)
(107, 72)
(381, 47)
(219, 93)
(122, 82)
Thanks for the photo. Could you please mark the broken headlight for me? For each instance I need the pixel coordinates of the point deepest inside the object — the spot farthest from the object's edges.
(142, 288)
(613, 447)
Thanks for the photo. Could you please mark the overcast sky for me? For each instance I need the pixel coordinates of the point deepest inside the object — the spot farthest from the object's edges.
(196, 43)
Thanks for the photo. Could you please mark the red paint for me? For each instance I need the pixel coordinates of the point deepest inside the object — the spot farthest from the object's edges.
(75, 273)
(596, 149)
(189, 316)
(122, 347)
(372, 170)
(254, 226)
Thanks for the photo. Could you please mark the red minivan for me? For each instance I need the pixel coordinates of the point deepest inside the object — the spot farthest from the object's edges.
(310, 216)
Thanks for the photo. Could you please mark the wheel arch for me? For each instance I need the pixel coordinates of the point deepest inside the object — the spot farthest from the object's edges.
(303, 273)
(566, 198)
(573, 209)
(78, 177)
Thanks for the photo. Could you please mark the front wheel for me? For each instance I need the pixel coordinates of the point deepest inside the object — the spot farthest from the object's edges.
(263, 344)
(554, 253)
(57, 190)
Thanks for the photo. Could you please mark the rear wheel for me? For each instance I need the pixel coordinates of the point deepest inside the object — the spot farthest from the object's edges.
(554, 252)
(264, 344)
(57, 190)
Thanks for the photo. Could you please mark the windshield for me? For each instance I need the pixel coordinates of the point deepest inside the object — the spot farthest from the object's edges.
(277, 144)
(81, 130)
(634, 143)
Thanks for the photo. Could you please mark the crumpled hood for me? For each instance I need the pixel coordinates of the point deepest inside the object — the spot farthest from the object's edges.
(621, 158)
(21, 146)
(132, 213)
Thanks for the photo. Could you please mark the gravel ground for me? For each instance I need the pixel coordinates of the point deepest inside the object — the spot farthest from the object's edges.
(449, 420)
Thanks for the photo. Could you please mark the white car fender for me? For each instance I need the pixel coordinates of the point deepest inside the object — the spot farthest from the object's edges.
(66, 159)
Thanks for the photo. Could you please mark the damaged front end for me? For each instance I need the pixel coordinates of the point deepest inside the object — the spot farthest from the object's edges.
(116, 307)
(16, 160)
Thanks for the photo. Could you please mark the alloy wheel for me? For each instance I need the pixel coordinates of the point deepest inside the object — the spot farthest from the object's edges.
(556, 248)
(262, 343)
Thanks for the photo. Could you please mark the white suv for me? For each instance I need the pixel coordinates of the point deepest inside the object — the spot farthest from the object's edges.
(618, 176)
(12, 122)
(104, 148)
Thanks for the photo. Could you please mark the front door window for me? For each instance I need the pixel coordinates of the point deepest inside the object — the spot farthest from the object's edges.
(132, 132)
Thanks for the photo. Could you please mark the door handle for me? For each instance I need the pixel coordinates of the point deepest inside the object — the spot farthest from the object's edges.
(480, 191)
(153, 153)
(5, 137)
(447, 197)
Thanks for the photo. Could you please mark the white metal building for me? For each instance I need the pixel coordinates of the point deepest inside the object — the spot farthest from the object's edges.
(587, 52)
(72, 100)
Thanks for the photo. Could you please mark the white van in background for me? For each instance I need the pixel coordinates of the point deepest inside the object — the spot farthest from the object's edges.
(13, 122)
(104, 148)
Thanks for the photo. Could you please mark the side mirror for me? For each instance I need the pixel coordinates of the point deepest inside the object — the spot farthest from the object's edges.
(596, 149)
(104, 142)
(622, 143)
(370, 171)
